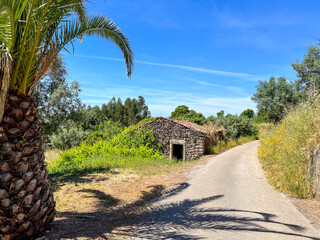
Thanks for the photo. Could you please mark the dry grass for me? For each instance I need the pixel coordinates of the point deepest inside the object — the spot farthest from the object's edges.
(105, 202)
(114, 187)
(101, 192)
(215, 133)
(285, 152)
(265, 129)
(224, 146)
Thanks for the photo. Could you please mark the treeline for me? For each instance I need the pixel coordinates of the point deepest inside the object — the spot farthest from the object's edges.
(129, 113)
(66, 121)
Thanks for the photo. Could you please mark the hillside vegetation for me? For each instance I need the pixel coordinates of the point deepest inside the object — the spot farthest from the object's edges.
(129, 149)
(285, 150)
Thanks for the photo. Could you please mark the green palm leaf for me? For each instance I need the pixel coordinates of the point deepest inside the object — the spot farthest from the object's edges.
(33, 32)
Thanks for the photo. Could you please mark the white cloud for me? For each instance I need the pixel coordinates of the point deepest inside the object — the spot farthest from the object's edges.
(246, 76)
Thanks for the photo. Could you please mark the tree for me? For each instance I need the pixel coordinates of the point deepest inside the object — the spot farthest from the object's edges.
(249, 113)
(143, 110)
(275, 96)
(91, 117)
(32, 34)
(183, 112)
(308, 72)
(62, 105)
(131, 112)
(55, 77)
(262, 116)
(57, 100)
(110, 109)
(118, 115)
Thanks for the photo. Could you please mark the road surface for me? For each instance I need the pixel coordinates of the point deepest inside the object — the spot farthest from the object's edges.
(227, 198)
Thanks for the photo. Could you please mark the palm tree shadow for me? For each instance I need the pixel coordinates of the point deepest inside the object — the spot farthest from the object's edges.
(170, 221)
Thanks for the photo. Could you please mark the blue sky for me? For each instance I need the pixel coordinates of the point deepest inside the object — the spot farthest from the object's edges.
(208, 55)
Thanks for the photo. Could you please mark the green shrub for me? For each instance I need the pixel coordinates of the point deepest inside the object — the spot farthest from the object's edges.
(130, 144)
(67, 136)
(103, 131)
(144, 121)
(237, 126)
(285, 151)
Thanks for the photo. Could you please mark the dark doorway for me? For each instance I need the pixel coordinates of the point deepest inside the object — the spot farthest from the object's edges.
(177, 152)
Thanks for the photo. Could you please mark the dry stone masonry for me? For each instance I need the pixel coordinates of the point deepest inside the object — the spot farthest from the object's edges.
(181, 139)
(315, 171)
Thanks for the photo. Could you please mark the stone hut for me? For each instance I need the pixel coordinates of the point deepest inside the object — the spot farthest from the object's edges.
(182, 139)
(314, 170)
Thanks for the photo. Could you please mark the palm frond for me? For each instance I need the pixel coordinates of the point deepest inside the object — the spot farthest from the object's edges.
(5, 76)
(96, 26)
(33, 32)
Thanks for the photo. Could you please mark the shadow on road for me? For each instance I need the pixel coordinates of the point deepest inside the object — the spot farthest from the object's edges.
(170, 220)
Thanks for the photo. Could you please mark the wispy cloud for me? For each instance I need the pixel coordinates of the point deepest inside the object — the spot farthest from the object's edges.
(245, 76)
(235, 90)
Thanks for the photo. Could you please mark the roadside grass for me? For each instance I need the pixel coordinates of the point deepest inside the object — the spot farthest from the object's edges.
(265, 129)
(224, 146)
(105, 163)
(285, 151)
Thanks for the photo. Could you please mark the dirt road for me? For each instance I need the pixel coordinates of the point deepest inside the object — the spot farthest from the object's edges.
(227, 198)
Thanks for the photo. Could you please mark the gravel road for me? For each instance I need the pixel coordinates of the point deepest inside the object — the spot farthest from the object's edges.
(227, 198)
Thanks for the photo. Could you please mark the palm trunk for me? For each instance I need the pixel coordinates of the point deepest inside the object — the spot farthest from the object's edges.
(27, 207)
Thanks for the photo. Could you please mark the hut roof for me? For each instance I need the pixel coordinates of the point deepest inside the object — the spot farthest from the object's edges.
(185, 123)
(192, 125)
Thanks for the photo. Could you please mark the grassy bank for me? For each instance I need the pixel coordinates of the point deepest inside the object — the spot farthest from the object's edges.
(285, 151)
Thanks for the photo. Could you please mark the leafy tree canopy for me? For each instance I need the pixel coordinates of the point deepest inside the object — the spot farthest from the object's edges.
(92, 116)
(275, 96)
(262, 116)
(308, 71)
(58, 101)
(183, 112)
(249, 113)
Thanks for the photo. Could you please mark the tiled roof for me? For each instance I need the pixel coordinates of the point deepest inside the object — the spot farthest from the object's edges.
(184, 123)
(191, 125)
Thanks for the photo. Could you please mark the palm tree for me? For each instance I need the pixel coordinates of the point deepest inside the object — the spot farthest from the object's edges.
(32, 34)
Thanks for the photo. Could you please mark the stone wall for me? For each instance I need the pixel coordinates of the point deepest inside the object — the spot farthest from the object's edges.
(315, 171)
(170, 132)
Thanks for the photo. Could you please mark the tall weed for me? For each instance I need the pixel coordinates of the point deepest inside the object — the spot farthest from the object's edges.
(285, 151)
(223, 146)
